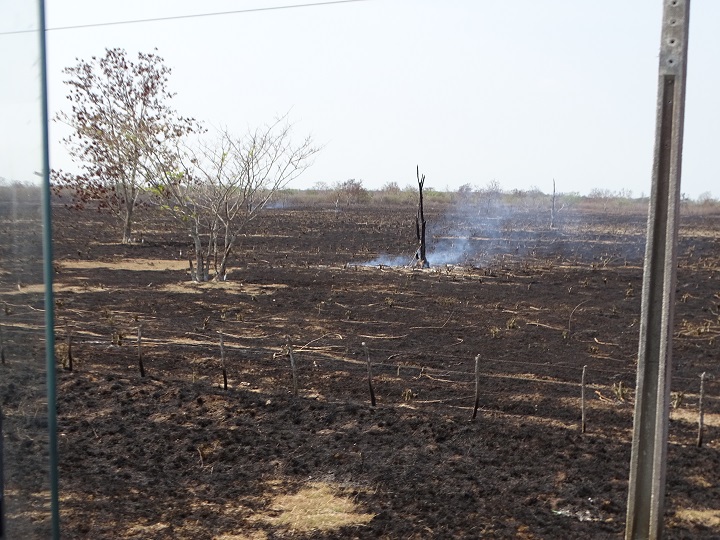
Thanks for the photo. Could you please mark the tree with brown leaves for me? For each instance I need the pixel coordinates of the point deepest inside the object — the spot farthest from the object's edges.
(121, 123)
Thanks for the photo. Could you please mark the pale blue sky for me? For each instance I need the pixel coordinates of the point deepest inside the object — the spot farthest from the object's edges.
(517, 91)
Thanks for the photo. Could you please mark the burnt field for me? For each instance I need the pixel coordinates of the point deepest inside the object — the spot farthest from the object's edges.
(174, 454)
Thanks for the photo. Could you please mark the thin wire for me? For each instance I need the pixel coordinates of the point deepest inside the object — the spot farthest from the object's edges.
(178, 17)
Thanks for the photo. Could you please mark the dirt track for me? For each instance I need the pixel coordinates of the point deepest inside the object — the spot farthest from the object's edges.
(174, 455)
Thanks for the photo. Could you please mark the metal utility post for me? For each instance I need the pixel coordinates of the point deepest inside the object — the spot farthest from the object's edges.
(2, 481)
(646, 495)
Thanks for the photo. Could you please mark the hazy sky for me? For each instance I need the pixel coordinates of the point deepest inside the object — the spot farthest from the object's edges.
(518, 91)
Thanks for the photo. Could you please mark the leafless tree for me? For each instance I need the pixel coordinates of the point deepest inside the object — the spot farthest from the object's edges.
(216, 188)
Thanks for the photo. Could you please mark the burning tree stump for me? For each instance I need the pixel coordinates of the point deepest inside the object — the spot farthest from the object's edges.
(420, 257)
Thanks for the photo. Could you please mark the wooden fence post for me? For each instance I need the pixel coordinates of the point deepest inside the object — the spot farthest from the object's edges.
(477, 386)
(701, 411)
(2, 344)
(222, 360)
(582, 401)
(139, 350)
(369, 372)
(292, 366)
(68, 337)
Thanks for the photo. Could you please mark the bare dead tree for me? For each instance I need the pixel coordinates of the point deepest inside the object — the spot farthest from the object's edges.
(216, 188)
(420, 224)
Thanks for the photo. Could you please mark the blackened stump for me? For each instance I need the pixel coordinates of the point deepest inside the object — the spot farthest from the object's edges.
(420, 256)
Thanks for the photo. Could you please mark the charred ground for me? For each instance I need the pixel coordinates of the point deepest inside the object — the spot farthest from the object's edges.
(174, 455)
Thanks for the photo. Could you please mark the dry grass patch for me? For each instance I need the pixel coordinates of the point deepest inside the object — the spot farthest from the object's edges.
(253, 535)
(161, 265)
(316, 507)
(690, 416)
(706, 517)
(249, 289)
(700, 481)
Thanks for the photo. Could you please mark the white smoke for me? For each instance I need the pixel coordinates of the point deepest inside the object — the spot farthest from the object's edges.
(481, 233)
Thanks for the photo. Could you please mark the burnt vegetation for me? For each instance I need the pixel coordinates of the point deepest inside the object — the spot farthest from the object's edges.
(473, 365)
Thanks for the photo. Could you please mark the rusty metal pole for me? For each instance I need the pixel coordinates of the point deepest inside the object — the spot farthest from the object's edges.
(646, 496)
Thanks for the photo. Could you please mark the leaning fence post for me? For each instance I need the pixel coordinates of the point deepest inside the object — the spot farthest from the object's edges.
(477, 386)
(369, 372)
(582, 401)
(139, 350)
(701, 411)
